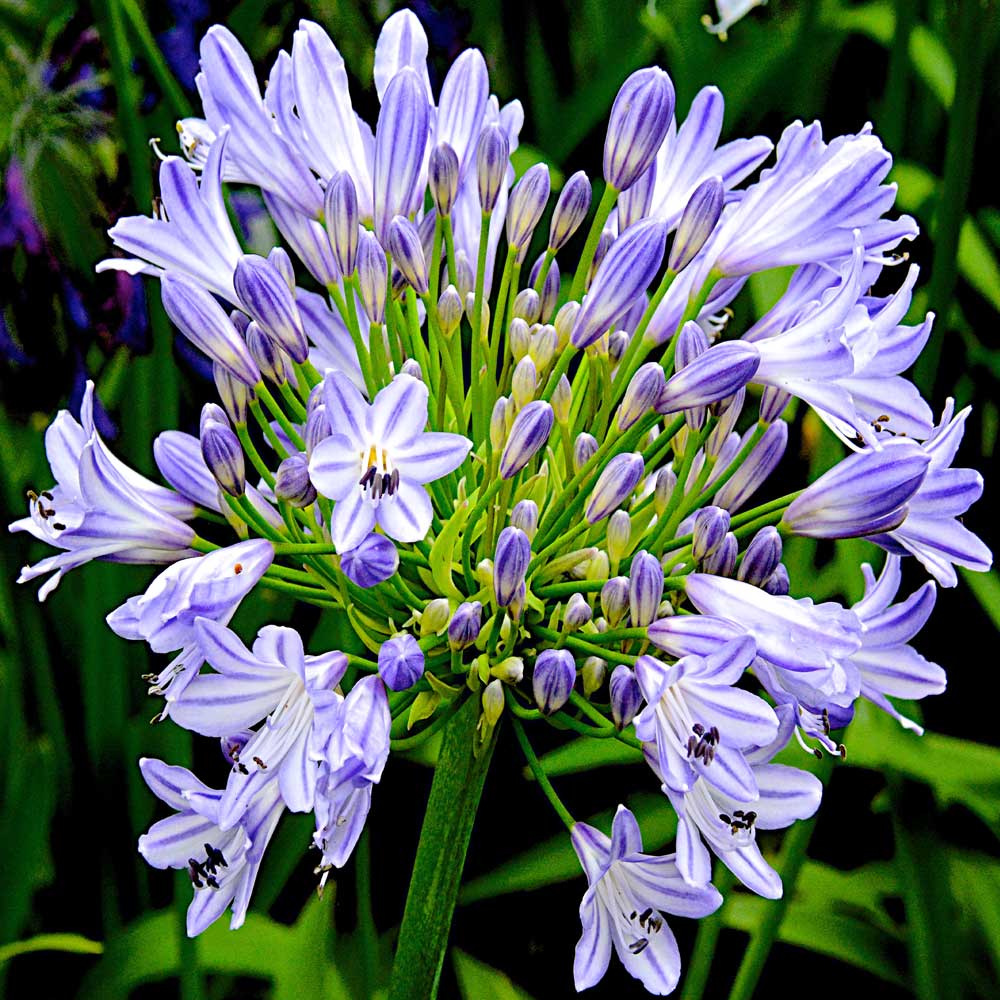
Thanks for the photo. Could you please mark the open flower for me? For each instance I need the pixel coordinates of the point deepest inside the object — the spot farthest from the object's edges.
(378, 458)
(628, 892)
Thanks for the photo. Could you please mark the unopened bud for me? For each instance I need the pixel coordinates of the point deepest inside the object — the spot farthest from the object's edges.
(634, 203)
(564, 322)
(525, 516)
(562, 400)
(412, 368)
(449, 310)
(626, 698)
(407, 253)
(510, 563)
(641, 394)
(570, 211)
(777, 584)
(722, 562)
(527, 305)
(435, 617)
(518, 338)
(235, 395)
(372, 275)
(400, 662)
(526, 205)
(267, 353)
(619, 534)
(710, 527)
(292, 483)
(524, 382)
(666, 483)
(637, 126)
(498, 423)
(528, 435)
(266, 296)
(550, 287)
(584, 448)
(614, 599)
(578, 612)
(492, 158)
(592, 674)
(614, 486)
(552, 679)
(697, 222)
(223, 455)
(465, 625)
(645, 588)
(510, 671)
(761, 557)
(342, 221)
(442, 177)
(493, 702)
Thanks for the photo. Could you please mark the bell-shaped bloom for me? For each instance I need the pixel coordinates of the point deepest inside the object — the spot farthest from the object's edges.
(378, 458)
(809, 644)
(191, 234)
(888, 665)
(276, 682)
(688, 156)
(352, 757)
(206, 586)
(933, 531)
(808, 205)
(260, 152)
(222, 864)
(729, 824)
(99, 508)
(628, 892)
(864, 494)
(624, 274)
(332, 136)
(699, 722)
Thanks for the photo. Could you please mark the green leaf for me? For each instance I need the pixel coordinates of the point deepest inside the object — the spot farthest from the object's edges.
(76, 944)
(293, 958)
(478, 981)
(933, 64)
(985, 588)
(958, 771)
(443, 551)
(584, 754)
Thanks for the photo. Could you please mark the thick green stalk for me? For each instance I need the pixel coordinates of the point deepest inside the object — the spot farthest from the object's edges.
(699, 966)
(437, 870)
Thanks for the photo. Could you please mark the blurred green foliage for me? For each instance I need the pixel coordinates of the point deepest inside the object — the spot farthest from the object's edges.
(911, 903)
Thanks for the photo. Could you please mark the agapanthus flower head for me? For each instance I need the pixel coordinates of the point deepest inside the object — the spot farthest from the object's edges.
(492, 490)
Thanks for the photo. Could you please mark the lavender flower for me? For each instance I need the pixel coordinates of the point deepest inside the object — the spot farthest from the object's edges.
(626, 695)
(400, 662)
(371, 562)
(528, 433)
(638, 124)
(379, 457)
(510, 564)
(552, 679)
(570, 211)
(623, 881)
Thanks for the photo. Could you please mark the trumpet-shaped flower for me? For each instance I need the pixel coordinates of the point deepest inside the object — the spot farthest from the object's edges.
(628, 893)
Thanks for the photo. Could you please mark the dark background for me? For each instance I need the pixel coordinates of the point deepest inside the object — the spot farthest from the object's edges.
(902, 890)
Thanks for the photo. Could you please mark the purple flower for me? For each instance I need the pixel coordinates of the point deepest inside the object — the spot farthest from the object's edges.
(464, 97)
(626, 696)
(400, 662)
(641, 394)
(407, 254)
(209, 586)
(341, 215)
(371, 562)
(292, 483)
(202, 320)
(628, 891)
(864, 494)
(265, 294)
(933, 531)
(99, 507)
(887, 663)
(645, 588)
(697, 723)
(222, 864)
(378, 458)
(464, 627)
(352, 757)
(276, 682)
(624, 274)
(758, 465)
(526, 204)
(191, 235)
(492, 156)
(697, 222)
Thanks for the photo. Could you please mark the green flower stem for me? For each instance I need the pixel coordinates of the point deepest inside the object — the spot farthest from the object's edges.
(251, 452)
(543, 271)
(560, 369)
(569, 588)
(538, 561)
(472, 520)
(307, 374)
(591, 649)
(449, 249)
(444, 839)
(607, 202)
(499, 326)
(434, 276)
(279, 414)
(363, 353)
(793, 856)
(311, 594)
(265, 425)
(361, 662)
(669, 520)
(295, 406)
(536, 769)
(480, 413)
(246, 512)
(367, 932)
(454, 381)
(417, 339)
(617, 635)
